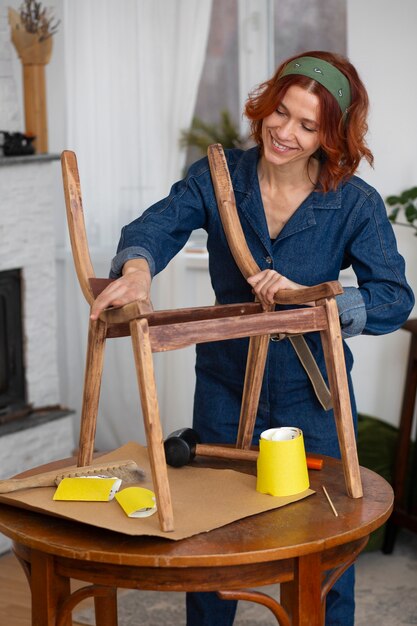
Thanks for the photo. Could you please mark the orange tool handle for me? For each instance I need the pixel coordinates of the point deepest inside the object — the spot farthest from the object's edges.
(314, 464)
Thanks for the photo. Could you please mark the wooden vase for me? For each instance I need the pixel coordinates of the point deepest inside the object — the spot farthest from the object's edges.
(34, 55)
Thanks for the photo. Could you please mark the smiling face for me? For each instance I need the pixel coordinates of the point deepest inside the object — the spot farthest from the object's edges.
(291, 133)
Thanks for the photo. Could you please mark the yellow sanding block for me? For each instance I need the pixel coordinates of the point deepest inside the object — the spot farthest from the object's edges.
(87, 488)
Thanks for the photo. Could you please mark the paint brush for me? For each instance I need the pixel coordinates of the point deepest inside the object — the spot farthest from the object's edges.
(127, 471)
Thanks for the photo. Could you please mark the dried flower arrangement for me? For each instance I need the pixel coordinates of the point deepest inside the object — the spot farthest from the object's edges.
(37, 19)
(32, 27)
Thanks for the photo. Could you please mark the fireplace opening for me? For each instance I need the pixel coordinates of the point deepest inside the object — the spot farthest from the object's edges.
(12, 371)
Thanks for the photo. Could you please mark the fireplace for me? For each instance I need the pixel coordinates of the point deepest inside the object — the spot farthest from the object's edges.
(34, 427)
(12, 372)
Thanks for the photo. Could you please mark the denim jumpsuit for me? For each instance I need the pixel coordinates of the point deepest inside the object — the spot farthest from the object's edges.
(328, 232)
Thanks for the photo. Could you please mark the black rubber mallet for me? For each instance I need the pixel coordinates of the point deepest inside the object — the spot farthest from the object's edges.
(184, 444)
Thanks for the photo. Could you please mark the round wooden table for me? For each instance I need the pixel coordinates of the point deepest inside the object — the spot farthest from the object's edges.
(302, 546)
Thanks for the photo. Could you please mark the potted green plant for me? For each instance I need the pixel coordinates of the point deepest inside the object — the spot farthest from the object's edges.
(202, 134)
(404, 205)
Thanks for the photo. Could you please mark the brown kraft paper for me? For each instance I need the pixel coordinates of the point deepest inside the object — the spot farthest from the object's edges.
(203, 499)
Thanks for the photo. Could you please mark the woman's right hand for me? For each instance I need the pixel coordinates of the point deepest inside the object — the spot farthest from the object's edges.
(135, 284)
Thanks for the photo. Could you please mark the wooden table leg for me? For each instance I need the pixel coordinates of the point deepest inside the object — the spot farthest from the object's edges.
(249, 595)
(48, 590)
(301, 597)
(403, 515)
(106, 608)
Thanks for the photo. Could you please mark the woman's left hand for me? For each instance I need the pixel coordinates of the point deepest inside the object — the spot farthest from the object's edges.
(265, 285)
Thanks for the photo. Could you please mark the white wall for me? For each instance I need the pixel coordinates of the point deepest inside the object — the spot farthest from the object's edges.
(382, 44)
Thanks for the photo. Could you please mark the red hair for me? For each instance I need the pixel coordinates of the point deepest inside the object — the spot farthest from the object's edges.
(342, 139)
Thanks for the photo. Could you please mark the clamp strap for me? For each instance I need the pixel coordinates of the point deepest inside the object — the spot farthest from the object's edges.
(312, 370)
(310, 366)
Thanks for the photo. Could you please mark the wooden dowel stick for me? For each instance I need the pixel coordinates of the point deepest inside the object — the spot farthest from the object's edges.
(330, 502)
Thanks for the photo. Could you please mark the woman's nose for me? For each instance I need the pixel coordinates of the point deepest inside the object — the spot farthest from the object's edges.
(287, 129)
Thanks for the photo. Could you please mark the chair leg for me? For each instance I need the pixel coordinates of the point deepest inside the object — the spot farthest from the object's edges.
(97, 331)
(336, 370)
(255, 367)
(106, 608)
(148, 394)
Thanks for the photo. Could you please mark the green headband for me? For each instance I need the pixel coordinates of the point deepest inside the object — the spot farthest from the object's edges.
(324, 73)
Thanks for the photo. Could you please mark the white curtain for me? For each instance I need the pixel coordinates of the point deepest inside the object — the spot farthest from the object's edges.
(133, 70)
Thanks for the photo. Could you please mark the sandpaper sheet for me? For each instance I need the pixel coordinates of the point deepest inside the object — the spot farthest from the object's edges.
(203, 499)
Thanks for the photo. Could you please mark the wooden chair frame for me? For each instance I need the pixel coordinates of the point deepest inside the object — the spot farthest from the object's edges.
(173, 329)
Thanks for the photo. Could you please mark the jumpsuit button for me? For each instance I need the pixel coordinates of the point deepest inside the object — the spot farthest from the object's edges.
(268, 260)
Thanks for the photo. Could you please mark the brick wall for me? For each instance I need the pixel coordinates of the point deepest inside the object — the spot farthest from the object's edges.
(27, 232)
(28, 243)
(43, 442)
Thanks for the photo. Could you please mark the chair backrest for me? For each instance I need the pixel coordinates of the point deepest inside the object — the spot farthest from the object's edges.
(236, 239)
(76, 224)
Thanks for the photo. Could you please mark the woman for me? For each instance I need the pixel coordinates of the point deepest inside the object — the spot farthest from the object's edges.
(305, 217)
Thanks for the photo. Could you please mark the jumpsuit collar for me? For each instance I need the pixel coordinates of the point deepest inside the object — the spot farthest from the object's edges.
(249, 201)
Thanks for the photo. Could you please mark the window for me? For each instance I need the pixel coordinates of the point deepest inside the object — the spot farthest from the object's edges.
(247, 41)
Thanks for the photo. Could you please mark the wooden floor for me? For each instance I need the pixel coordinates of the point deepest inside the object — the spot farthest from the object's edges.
(14, 593)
